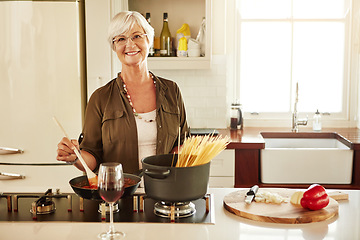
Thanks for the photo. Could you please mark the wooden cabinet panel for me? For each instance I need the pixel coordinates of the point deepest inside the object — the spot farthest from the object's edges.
(356, 169)
(247, 167)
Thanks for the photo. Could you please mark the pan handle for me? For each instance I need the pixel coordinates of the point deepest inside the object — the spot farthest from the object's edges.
(157, 174)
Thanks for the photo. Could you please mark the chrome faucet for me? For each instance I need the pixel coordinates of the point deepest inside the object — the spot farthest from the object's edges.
(295, 121)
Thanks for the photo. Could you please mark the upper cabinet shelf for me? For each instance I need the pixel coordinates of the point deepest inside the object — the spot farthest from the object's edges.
(191, 12)
(178, 62)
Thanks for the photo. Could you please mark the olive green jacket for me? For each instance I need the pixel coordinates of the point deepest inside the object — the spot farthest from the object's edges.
(110, 132)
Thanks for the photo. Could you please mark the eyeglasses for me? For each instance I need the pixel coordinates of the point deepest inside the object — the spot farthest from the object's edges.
(122, 40)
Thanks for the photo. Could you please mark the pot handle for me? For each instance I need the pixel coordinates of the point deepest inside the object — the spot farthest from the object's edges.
(157, 174)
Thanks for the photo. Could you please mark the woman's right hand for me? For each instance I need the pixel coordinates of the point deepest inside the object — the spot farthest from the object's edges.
(65, 150)
(65, 153)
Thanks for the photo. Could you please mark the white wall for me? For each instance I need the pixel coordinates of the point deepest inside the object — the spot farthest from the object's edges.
(98, 54)
(356, 56)
(204, 93)
(207, 93)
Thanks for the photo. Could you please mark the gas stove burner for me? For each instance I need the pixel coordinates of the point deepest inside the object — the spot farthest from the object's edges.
(44, 203)
(174, 210)
(46, 206)
(105, 206)
(15, 207)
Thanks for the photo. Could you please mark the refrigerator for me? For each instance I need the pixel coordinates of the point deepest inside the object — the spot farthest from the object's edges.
(42, 75)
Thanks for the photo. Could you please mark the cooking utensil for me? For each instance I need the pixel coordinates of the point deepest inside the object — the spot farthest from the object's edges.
(90, 174)
(251, 194)
(277, 213)
(78, 183)
(337, 195)
(174, 184)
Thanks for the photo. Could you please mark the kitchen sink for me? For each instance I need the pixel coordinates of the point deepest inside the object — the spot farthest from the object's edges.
(306, 158)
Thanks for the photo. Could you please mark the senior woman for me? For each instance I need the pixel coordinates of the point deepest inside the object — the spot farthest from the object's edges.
(136, 114)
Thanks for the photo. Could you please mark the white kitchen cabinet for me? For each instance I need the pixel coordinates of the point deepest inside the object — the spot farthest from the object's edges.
(102, 62)
(222, 169)
(178, 63)
(180, 12)
(98, 51)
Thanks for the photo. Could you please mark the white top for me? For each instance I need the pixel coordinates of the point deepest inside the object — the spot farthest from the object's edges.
(147, 132)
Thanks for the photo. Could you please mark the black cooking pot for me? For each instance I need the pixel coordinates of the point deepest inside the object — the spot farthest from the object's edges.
(78, 184)
(174, 184)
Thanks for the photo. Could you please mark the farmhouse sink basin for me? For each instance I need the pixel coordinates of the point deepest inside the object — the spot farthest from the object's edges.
(305, 158)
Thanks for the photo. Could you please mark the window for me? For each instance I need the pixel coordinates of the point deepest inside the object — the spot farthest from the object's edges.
(282, 42)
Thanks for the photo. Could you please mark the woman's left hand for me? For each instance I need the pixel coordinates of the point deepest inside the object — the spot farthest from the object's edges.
(176, 149)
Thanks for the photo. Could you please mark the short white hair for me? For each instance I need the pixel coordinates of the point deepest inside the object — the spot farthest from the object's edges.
(124, 21)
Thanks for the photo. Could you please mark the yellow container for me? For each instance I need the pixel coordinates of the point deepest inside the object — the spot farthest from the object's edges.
(182, 48)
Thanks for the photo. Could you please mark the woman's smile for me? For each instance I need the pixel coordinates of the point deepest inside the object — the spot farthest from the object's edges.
(132, 53)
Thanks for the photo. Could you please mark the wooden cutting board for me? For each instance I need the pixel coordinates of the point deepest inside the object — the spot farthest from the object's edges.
(277, 213)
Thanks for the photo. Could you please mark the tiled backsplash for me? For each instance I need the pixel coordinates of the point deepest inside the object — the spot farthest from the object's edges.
(204, 93)
(203, 90)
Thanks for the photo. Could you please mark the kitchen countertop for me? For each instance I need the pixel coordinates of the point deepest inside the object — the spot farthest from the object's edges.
(227, 226)
(250, 137)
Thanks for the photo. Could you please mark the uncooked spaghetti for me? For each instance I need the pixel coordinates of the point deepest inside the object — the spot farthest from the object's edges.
(198, 150)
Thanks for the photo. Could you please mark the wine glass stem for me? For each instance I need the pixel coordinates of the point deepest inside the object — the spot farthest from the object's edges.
(111, 228)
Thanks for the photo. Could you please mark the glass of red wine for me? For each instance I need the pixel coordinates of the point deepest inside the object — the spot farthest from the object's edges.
(111, 187)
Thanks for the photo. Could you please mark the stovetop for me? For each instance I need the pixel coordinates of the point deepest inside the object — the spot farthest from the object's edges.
(72, 208)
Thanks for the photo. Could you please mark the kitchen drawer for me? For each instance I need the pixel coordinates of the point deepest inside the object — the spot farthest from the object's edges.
(223, 165)
(221, 182)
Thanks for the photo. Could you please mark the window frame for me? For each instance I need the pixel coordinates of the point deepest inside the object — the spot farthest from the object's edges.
(349, 115)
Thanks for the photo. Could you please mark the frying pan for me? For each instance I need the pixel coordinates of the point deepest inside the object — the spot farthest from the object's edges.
(93, 194)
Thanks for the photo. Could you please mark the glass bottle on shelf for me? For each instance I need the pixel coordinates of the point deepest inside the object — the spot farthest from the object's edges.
(201, 37)
(151, 49)
(165, 38)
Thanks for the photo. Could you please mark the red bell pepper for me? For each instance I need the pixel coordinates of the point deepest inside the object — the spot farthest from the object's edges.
(315, 198)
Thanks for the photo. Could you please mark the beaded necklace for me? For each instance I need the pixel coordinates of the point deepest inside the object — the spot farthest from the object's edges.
(131, 104)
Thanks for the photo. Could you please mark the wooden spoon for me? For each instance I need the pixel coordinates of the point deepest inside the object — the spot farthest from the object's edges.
(92, 177)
